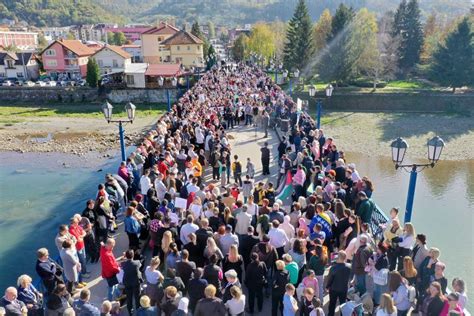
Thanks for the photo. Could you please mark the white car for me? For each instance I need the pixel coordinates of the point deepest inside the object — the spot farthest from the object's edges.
(40, 83)
(29, 83)
(52, 83)
(8, 83)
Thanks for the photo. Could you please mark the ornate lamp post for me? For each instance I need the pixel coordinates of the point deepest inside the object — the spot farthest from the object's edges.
(130, 108)
(399, 148)
(296, 75)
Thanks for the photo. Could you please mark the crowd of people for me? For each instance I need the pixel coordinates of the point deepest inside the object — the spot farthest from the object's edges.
(206, 238)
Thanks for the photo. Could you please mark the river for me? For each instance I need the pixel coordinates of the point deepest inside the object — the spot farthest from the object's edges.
(38, 193)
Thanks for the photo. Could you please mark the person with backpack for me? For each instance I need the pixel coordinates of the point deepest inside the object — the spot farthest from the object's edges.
(237, 170)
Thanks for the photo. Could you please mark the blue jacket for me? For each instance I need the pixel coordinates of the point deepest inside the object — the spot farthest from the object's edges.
(85, 308)
(132, 226)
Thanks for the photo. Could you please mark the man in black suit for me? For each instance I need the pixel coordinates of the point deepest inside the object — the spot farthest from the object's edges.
(265, 159)
(131, 280)
(48, 270)
(246, 245)
(185, 269)
(232, 279)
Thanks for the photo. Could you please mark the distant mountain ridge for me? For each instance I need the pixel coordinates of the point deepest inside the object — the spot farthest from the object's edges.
(224, 12)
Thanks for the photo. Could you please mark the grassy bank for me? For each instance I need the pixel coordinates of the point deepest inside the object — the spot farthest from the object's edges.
(18, 113)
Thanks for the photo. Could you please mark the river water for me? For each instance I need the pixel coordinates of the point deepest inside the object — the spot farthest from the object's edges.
(38, 193)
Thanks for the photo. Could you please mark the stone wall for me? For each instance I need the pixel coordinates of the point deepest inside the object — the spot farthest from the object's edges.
(395, 102)
(47, 94)
(141, 95)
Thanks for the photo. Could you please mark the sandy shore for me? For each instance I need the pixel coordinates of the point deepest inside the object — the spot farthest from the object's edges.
(372, 133)
(366, 133)
(78, 136)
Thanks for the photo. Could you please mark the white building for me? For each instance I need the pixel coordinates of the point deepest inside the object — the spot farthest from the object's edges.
(135, 51)
(134, 75)
(55, 33)
(23, 66)
(112, 59)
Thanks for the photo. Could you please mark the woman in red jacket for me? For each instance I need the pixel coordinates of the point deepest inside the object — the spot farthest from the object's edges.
(110, 267)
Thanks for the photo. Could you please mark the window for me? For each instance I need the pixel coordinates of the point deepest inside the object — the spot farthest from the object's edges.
(130, 79)
(114, 63)
(160, 38)
(178, 48)
(19, 75)
(10, 64)
(51, 63)
(50, 52)
(189, 47)
(2, 74)
(100, 62)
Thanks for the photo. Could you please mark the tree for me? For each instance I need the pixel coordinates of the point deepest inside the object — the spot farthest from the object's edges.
(239, 49)
(212, 58)
(93, 73)
(340, 21)
(363, 52)
(279, 30)
(334, 63)
(298, 46)
(70, 36)
(261, 40)
(42, 42)
(119, 38)
(321, 30)
(453, 62)
(212, 30)
(196, 31)
(407, 25)
(109, 38)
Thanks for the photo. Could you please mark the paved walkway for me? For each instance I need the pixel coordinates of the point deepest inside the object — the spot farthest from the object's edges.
(246, 143)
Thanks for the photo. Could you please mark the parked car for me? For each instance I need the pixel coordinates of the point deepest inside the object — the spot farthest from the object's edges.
(29, 83)
(19, 83)
(81, 82)
(40, 83)
(8, 83)
(52, 83)
(71, 83)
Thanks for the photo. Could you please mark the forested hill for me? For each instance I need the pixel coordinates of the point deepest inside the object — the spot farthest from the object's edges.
(56, 12)
(226, 12)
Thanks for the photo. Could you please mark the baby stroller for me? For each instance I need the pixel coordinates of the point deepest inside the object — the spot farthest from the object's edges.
(357, 305)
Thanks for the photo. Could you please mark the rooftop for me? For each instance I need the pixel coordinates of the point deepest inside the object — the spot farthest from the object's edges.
(74, 46)
(164, 70)
(182, 38)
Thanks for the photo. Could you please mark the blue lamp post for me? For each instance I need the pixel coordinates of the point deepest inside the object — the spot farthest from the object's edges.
(130, 108)
(296, 75)
(174, 82)
(399, 148)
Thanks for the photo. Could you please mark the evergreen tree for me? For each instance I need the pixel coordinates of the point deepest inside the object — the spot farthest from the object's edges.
(340, 21)
(407, 26)
(453, 62)
(196, 31)
(298, 46)
(119, 38)
(93, 72)
(335, 63)
(211, 57)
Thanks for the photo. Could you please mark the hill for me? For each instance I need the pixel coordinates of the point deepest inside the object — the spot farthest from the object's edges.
(56, 12)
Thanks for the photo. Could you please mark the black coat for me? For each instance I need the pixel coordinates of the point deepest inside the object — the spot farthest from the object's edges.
(210, 306)
(256, 274)
(196, 289)
(265, 154)
(211, 274)
(131, 273)
(280, 280)
(227, 296)
(338, 277)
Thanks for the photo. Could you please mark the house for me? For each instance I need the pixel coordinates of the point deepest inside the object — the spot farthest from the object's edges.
(134, 75)
(135, 50)
(166, 71)
(132, 33)
(55, 33)
(66, 59)
(20, 39)
(182, 48)
(22, 66)
(112, 59)
(151, 40)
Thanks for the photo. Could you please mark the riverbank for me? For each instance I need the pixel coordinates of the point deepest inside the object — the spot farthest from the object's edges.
(371, 133)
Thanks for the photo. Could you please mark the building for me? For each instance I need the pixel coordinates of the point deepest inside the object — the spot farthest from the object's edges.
(22, 66)
(151, 40)
(66, 59)
(112, 59)
(19, 39)
(135, 51)
(182, 48)
(55, 33)
(134, 75)
(157, 71)
(132, 33)
(87, 32)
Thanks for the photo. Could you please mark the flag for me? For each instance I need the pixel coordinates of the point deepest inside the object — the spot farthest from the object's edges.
(287, 189)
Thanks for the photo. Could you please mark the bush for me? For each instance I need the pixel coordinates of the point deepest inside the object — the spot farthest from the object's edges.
(367, 83)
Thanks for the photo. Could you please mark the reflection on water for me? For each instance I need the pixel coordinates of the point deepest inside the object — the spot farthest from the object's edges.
(37, 194)
(442, 208)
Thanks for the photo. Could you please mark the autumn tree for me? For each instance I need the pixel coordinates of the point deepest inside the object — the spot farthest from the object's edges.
(239, 48)
(322, 30)
(261, 40)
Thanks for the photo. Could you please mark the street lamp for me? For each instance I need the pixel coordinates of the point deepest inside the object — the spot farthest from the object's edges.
(130, 108)
(296, 74)
(399, 148)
